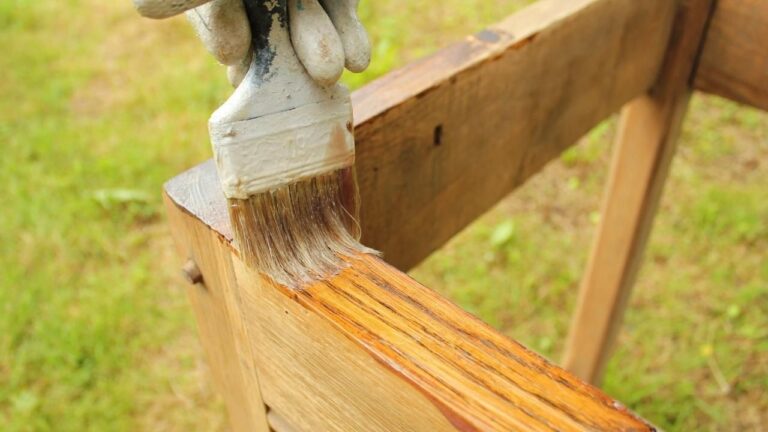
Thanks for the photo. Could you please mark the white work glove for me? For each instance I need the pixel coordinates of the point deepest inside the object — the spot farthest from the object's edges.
(326, 34)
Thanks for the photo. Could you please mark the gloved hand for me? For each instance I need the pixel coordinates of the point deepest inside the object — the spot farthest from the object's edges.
(326, 34)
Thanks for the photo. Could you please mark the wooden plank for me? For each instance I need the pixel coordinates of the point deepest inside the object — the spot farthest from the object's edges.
(222, 336)
(442, 140)
(735, 59)
(646, 140)
(371, 349)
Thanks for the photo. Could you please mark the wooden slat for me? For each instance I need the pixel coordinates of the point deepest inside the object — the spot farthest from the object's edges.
(442, 140)
(645, 144)
(371, 349)
(735, 59)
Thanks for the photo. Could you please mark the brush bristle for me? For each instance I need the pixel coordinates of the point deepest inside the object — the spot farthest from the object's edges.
(300, 232)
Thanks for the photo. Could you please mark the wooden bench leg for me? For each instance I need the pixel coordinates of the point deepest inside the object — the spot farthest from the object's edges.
(646, 139)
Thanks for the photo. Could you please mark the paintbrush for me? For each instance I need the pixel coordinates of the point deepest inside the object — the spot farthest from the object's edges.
(283, 142)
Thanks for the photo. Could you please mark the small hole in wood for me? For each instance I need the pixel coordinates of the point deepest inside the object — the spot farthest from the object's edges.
(191, 272)
(437, 137)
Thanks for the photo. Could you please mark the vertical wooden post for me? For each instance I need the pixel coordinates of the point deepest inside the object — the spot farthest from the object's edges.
(648, 131)
(212, 294)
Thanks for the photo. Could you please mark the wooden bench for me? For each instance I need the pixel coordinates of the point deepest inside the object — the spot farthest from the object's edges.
(438, 143)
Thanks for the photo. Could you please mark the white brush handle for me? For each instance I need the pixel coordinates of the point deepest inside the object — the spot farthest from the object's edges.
(287, 118)
(276, 80)
(280, 124)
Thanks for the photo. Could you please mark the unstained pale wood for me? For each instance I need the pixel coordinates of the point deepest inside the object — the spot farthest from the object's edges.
(212, 296)
(645, 144)
(734, 63)
(373, 350)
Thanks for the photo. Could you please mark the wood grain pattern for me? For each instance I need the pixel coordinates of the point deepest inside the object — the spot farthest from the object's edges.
(645, 144)
(371, 349)
(734, 63)
(503, 102)
(224, 340)
(279, 424)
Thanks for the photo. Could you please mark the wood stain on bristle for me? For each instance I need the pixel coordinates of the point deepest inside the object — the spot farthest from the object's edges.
(301, 232)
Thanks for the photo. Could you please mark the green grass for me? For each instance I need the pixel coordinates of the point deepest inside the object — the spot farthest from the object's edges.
(98, 108)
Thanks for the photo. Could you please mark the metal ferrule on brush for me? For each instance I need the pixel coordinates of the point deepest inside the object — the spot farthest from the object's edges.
(274, 150)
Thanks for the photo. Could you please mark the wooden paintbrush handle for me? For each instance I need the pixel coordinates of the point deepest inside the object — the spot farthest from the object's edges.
(270, 37)
(325, 34)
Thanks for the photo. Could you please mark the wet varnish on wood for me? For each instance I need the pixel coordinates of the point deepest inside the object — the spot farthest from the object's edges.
(369, 349)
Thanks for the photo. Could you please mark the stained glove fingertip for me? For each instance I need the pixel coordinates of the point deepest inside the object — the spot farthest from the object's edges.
(315, 41)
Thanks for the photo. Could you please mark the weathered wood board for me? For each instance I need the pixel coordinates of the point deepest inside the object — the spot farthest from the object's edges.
(734, 63)
(442, 140)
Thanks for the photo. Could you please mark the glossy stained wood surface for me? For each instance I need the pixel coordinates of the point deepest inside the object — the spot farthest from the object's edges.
(476, 378)
(371, 349)
(645, 144)
(735, 59)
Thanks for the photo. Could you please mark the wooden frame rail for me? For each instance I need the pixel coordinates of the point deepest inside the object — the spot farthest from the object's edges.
(715, 48)
(369, 349)
(438, 143)
(734, 63)
(441, 141)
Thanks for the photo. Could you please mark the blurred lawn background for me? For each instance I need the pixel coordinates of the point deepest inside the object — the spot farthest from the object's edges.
(99, 107)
